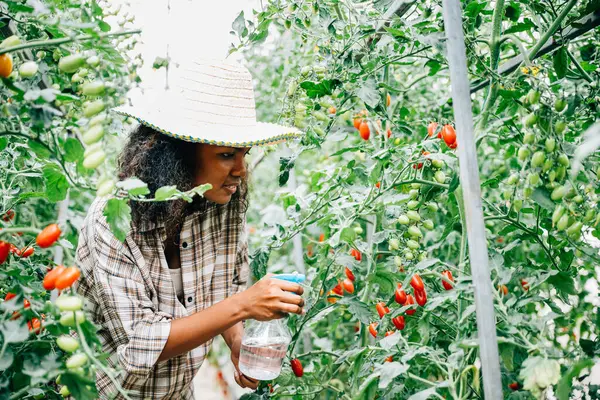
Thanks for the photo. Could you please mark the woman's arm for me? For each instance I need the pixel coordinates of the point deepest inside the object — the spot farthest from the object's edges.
(267, 299)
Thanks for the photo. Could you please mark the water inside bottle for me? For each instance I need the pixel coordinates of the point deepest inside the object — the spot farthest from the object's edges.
(261, 358)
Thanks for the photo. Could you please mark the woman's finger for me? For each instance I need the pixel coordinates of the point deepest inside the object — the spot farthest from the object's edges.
(291, 308)
(292, 299)
(248, 382)
(238, 380)
(289, 286)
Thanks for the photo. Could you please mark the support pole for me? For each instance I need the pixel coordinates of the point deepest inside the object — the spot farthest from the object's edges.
(469, 179)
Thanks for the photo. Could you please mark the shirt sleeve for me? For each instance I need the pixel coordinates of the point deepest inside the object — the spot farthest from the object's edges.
(242, 269)
(134, 323)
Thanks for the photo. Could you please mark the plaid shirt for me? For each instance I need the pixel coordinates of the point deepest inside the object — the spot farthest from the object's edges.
(129, 293)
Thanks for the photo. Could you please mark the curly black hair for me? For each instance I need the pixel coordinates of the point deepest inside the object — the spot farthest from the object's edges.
(160, 160)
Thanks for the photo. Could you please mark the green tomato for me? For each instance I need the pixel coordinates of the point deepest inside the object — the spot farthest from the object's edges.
(559, 105)
(412, 204)
(320, 116)
(533, 97)
(64, 391)
(403, 220)
(70, 64)
(68, 303)
(69, 318)
(589, 215)
(94, 88)
(28, 69)
(292, 86)
(94, 160)
(562, 223)
(563, 160)
(394, 244)
(93, 61)
(358, 230)
(440, 177)
(92, 149)
(578, 199)
(305, 70)
(507, 194)
(408, 255)
(538, 159)
(558, 212)
(529, 138)
(531, 120)
(558, 193)
(534, 178)
(414, 231)
(560, 127)
(398, 261)
(561, 172)
(10, 42)
(91, 108)
(105, 188)
(513, 179)
(551, 176)
(397, 141)
(523, 153)
(67, 343)
(413, 194)
(76, 361)
(527, 192)
(547, 165)
(437, 163)
(574, 229)
(518, 204)
(413, 215)
(412, 244)
(318, 130)
(433, 207)
(550, 145)
(428, 224)
(415, 185)
(94, 134)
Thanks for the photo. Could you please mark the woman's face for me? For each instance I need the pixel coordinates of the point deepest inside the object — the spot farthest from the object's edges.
(222, 167)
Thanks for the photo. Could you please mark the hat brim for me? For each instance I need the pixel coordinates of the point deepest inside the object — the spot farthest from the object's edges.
(260, 134)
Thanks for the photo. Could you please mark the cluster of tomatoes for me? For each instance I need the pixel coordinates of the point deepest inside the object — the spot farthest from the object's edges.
(46, 238)
(447, 133)
(361, 122)
(347, 285)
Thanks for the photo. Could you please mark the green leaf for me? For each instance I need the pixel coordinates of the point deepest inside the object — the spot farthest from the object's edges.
(56, 183)
(39, 149)
(357, 308)
(563, 389)
(454, 182)
(542, 197)
(104, 27)
(14, 331)
(134, 186)
(118, 216)
(389, 371)
(73, 150)
(239, 24)
(589, 347)
(201, 189)
(285, 165)
(563, 282)
(433, 66)
(260, 259)
(369, 94)
(3, 143)
(165, 192)
(324, 88)
(507, 355)
(560, 61)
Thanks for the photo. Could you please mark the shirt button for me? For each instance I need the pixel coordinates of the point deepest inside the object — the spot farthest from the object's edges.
(184, 245)
(190, 299)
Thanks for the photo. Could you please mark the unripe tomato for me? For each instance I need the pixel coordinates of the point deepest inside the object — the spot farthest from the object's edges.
(95, 88)
(560, 127)
(50, 278)
(404, 220)
(320, 116)
(28, 69)
(421, 297)
(381, 309)
(413, 204)
(373, 329)
(550, 145)
(413, 215)
(400, 295)
(529, 138)
(412, 244)
(558, 193)
(348, 285)
(533, 97)
(67, 278)
(415, 232)
(398, 261)
(64, 391)
(410, 300)
(428, 224)
(94, 160)
(433, 207)
(448, 275)
(449, 134)
(91, 108)
(93, 61)
(413, 193)
(417, 283)
(297, 367)
(575, 229)
(394, 244)
(10, 42)
(558, 212)
(6, 65)
(559, 105)
(562, 223)
(440, 177)
(399, 322)
(76, 361)
(48, 236)
(92, 135)
(408, 255)
(69, 303)
(538, 159)
(431, 128)
(534, 179)
(71, 63)
(67, 343)
(364, 130)
(513, 179)
(531, 120)
(349, 274)
(563, 160)
(4, 251)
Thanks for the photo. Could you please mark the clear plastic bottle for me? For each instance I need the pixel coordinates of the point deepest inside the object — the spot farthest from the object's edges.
(265, 344)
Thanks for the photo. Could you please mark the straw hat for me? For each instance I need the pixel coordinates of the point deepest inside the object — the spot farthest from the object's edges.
(205, 101)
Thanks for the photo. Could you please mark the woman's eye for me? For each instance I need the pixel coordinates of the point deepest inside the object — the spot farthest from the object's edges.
(228, 155)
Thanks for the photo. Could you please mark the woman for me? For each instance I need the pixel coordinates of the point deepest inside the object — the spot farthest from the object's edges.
(179, 278)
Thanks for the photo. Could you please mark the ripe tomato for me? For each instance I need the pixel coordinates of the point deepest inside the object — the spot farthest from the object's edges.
(50, 278)
(381, 309)
(524, 284)
(6, 65)
(357, 327)
(48, 236)
(388, 100)
(448, 275)
(399, 322)
(348, 285)
(416, 282)
(4, 251)
(410, 300)
(389, 133)
(373, 329)
(389, 359)
(297, 367)
(356, 254)
(338, 290)
(25, 252)
(431, 128)
(67, 278)
(514, 386)
(357, 122)
(9, 215)
(449, 134)
(378, 185)
(35, 325)
(388, 333)
(421, 296)
(349, 274)
(400, 295)
(9, 296)
(453, 145)
(322, 237)
(417, 165)
(332, 110)
(503, 289)
(364, 130)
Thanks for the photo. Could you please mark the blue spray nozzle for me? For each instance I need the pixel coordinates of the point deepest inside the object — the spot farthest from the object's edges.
(296, 278)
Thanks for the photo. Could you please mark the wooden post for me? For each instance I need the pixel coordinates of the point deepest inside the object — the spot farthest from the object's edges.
(469, 179)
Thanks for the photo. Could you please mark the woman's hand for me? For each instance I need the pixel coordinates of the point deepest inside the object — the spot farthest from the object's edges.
(272, 298)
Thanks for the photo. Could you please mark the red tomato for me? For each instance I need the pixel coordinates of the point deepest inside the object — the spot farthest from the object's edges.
(453, 145)
(9, 296)
(381, 309)
(514, 386)
(48, 236)
(389, 359)
(348, 285)
(400, 295)
(35, 325)
(524, 284)
(332, 110)
(67, 278)
(357, 122)
(399, 322)
(417, 165)
(25, 252)
(449, 134)
(322, 237)
(349, 274)
(503, 289)
(357, 327)
(373, 329)
(4, 251)
(364, 130)
(378, 185)
(431, 128)
(50, 278)
(417, 283)
(9, 215)
(388, 333)
(338, 290)
(356, 254)
(410, 300)
(297, 367)
(421, 296)
(448, 275)
(389, 133)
